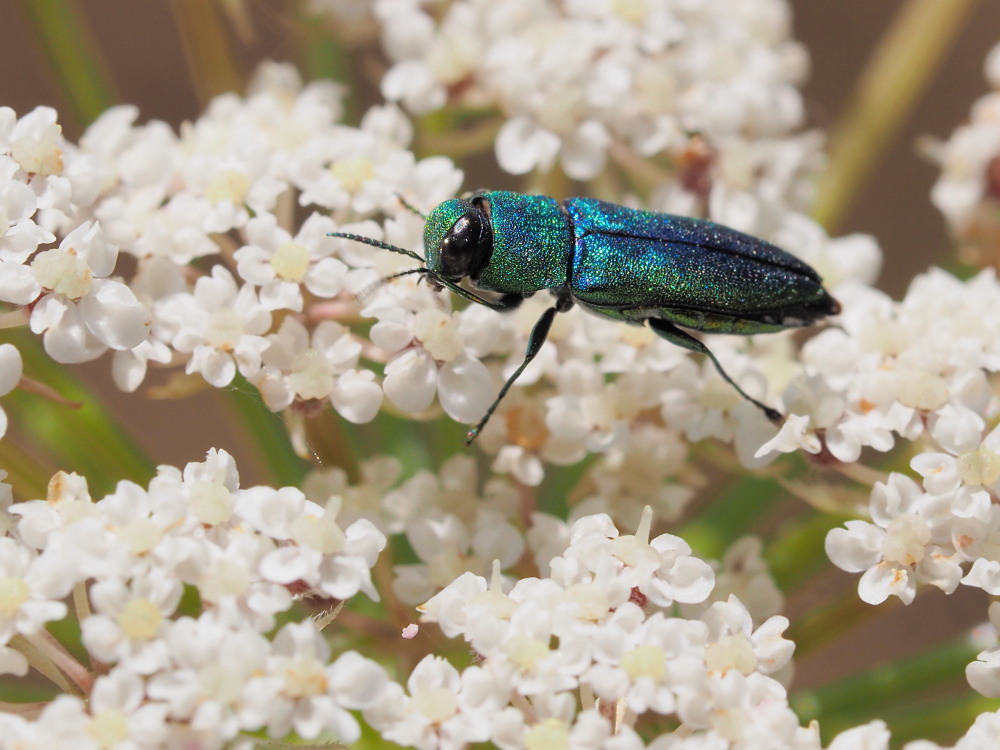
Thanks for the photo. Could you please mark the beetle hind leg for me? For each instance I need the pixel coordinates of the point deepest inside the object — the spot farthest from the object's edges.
(669, 332)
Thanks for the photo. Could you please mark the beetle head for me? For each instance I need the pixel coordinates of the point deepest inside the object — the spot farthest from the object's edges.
(458, 239)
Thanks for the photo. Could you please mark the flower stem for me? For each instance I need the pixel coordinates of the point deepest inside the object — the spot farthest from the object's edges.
(74, 57)
(897, 74)
(210, 57)
(825, 624)
(88, 440)
(797, 552)
(264, 432)
(893, 688)
(46, 655)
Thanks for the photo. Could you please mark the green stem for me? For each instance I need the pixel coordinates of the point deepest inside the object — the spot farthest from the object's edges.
(42, 663)
(476, 138)
(733, 513)
(944, 720)
(87, 440)
(881, 690)
(797, 552)
(208, 50)
(264, 433)
(26, 474)
(54, 653)
(825, 624)
(73, 56)
(897, 75)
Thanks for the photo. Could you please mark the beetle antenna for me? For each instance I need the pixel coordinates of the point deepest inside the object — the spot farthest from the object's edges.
(385, 280)
(376, 243)
(410, 207)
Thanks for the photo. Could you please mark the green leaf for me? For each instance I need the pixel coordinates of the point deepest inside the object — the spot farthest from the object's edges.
(74, 57)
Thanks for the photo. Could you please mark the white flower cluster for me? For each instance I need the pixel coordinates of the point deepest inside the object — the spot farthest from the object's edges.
(173, 669)
(249, 191)
(710, 85)
(227, 190)
(78, 309)
(968, 189)
(587, 655)
(230, 270)
(454, 526)
(598, 626)
(919, 369)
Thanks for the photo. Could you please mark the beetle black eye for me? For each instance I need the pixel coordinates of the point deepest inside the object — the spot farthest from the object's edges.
(466, 248)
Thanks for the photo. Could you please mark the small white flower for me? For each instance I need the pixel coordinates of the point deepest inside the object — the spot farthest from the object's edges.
(20, 236)
(214, 674)
(871, 736)
(220, 326)
(117, 714)
(28, 597)
(282, 265)
(644, 662)
(441, 707)
(79, 310)
(661, 569)
(297, 367)
(970, 476)
(984, 673)
(903, 547)
(436, 364)
(11, 369)
(310, 696)
(448, 548)
(735, 645)
(130, 619)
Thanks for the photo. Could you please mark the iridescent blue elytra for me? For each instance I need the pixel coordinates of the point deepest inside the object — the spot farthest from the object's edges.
(622, 263)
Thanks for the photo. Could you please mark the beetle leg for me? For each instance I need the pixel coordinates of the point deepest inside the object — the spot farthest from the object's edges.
(535, 341)
(668, 331)
(503, 304)
(410, 207)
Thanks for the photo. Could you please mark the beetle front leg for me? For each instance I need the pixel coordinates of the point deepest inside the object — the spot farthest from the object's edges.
(505, 303)
(673, 334)
(538, 335)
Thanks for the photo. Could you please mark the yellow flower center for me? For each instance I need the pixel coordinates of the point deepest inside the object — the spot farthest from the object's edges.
(14, 593)
(140, 620)
(291, 261)
(645, 661)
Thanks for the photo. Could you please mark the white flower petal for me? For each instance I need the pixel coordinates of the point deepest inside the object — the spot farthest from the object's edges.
(11, 368)
(18, 284)
(66, 338)
(465, 389)
(584, 150)
(523, 145)
(326, 278)
(411, 380)
(114, 315)
(357, 397)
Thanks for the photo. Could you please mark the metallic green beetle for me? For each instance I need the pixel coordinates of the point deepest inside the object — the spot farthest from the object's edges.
(622, 263)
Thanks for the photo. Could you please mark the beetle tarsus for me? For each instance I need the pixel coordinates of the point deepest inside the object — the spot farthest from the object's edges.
(773, 414)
